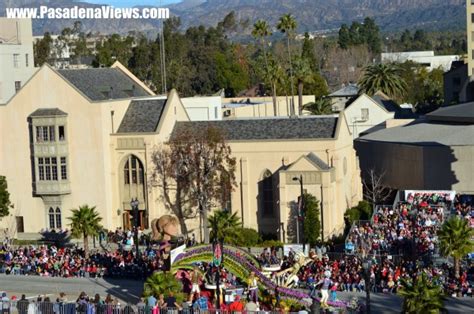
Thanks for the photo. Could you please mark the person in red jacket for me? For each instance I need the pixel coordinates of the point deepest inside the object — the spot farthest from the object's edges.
(237, 305)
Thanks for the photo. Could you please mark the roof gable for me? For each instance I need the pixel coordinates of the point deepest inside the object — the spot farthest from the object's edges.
(142, 116)
(309, 162)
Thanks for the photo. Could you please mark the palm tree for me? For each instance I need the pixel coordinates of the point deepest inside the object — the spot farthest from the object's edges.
(85, 222)
(224, 225)
(273, 74)
(383, 77)
(287, 25)
(455, 238)
(421, 295)
(260, 31)
(303, 74)
(162, 283)
(321, 106)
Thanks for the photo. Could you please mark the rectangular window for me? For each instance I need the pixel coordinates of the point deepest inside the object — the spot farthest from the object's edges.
(47, 168)
(63, 168)
(41, 169)
(62, 136)
(39, 133)
(472, 17)
(45, 134)
(16, 60)
(17, 86)
(54, 169)
(27, 62)
(52, 134)
(364, 114)
(215, 112)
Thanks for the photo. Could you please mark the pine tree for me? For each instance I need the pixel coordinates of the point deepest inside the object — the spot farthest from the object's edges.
(311, 224)
(5, 203)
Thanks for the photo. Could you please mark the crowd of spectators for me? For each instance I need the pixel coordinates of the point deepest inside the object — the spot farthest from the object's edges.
(71, 262)
(408, 228)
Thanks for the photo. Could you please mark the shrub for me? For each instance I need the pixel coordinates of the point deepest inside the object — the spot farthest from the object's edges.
(246, 237)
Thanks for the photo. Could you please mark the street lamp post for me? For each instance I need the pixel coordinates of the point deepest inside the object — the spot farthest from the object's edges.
(366, 265)
(300, 209)
(134, 205)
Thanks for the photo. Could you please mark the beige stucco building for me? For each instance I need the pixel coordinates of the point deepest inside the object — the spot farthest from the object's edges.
(74, 137)
(433, 153)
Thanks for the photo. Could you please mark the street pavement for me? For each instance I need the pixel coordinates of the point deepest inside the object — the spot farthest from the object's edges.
(130, 290)
(391, 303)
(32, 286)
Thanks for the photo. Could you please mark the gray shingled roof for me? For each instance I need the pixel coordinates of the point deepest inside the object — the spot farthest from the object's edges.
(269, 129)
(456, 113)
(48, 112)
(318, 161)
(142, 116)
(103, 83)
(347, 91)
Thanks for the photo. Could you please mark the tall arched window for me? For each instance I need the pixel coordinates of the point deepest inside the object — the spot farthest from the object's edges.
(58, 218)
(51, 218)
(133, 171)
(266, 193)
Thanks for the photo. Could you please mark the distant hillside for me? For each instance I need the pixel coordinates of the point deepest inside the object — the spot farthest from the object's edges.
(312, 15)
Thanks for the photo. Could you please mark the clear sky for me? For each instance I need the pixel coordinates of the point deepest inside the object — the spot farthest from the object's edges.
(131, 3)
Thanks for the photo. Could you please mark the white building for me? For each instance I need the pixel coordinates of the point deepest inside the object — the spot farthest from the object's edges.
(60, 53)
(16, 56)
(203, 108)
(425, 58)
(366, 114)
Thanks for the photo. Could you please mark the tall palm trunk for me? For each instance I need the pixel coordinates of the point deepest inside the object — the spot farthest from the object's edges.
(86, 245)
(264, 52)
(291, 75)
(456, 267)
(205, 224)
(274, 98)
(300, 97)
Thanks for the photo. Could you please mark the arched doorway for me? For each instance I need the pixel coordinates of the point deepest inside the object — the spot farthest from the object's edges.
(133, 187)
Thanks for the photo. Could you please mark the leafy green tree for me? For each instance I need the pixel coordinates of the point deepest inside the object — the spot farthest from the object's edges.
(230, 74)
(321, 106)
(456, 240)
(303, 74)
(5, 203)
(344, 39)
(287, 25)
(317, 86)
(421, 295)
(42, 49)
(371, 34)
(307, 52)
(163, 283)
(85, 222)
(386, 78)
(115, 48)
(141, 61)
(224, 226)
(311, 223)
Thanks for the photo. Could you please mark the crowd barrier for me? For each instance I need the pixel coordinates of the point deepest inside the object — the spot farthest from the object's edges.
(21, 307)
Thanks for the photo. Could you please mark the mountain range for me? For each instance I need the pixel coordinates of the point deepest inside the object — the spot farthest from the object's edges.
(311, 15)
